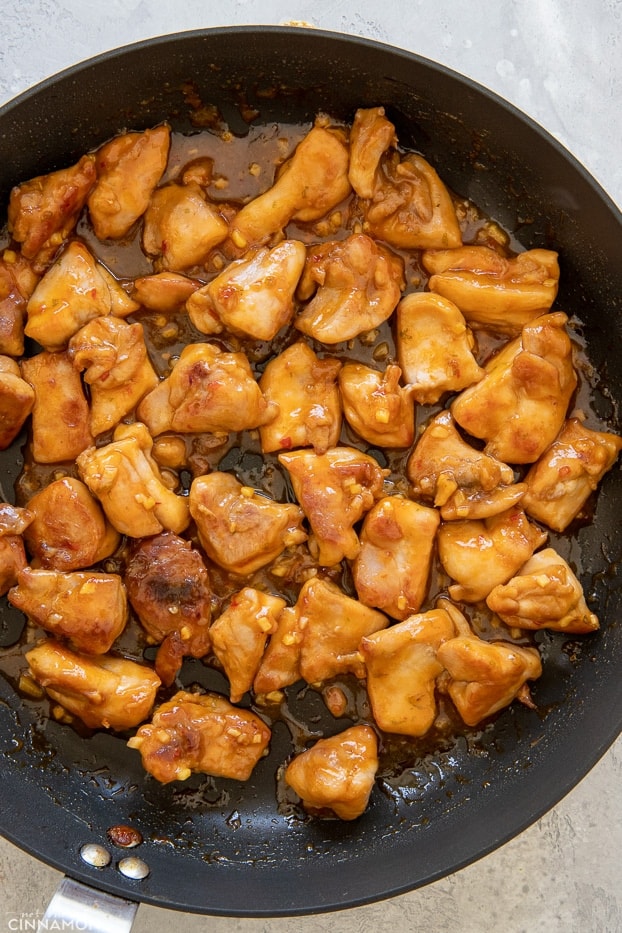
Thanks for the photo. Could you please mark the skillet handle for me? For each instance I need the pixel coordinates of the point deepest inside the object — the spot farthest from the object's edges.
(76, 906)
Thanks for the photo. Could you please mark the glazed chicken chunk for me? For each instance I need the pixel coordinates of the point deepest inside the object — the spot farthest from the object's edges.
(371, 135)
(17, 283)
(392, 568)
(279, 665)
(376, 406)
(104, 692)
(17, 399)
(337, 773)
(355, 283)
(239, 528)
(181, 227)
(201, 732)
(13, 522)
(520, 405)
(164, 292)
(304, 389)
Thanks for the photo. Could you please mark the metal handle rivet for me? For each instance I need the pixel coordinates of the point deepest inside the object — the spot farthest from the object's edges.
(95, 855)
(134, 868)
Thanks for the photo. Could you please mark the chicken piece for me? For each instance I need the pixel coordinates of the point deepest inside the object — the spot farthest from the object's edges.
(240, 634)
(460, 480)
(335, 490)
(128, 169)
(520, 405)
(164, 292)
(117, 369)
(204, 733)
(43, 211)
(392, 569)
(568, 471)
(337, 773)
(87, 608)
(127, 481)
(68, 530)
(402, 668)
(495, 292)
(208, 390)
(13, 523)
(280, 663)
(312, 182)
(60, 415)
(253, 296)
(479, 555)
(17, 283)
(17, 399)
(371, 135)
(304, 389)
(239, 528)
(104, 692)
(545, 593)
(357, 284)
(181, 227)
(434, 347)
(376, 406)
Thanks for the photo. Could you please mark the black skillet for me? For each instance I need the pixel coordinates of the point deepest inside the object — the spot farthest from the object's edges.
(217, 847)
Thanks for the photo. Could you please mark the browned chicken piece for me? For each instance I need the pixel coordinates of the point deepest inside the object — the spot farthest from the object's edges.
(376, 406)
(434, 347)
(87, 608)
(392, 568)
(60, 415)
(480, 555)
(127, 481)
(17, 399)
(17, 283)
(312, 182)
(128, 169)
(201, 732)
(240, 634)
(239, 528)
(113, 357)
(402, 668)
(44, 210)
(164, 292)
(169, 589)
(371, 135)
(253, 296)
(356, 284)
(13, 522)
(208, 390)
(181, 227)
(280, 663)
(104, 691)
(335, 490)
(568, 471)
(459, 479)
(69, 530)
(496, 292)
(336, 774)
(545, 593)
(304, 389)
(520, 405)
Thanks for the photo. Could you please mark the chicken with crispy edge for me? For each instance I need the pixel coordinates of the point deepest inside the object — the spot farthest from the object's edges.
(560, 483)
(404, 201)
(87, 608)
(336, 774)
(460, 480)
(496, 292)
(204, 733)
(17, 399)
(544, 594)
(335, 490)
(376, 406)
(129, 167)
(17, 283)
(239, 528)
(252, 296)
(181, 227)
(304, 389)
(402, 669)
(354, 285)
(520, 405)
(164, 292)
(113, 358)
(308, 185)
(104, 691)
(60, 420)
(434, 347)
(69, 530)
(13, 522)
(392, 569)
(208, 390)
(127, 481)
(480, 554)
(240, 634)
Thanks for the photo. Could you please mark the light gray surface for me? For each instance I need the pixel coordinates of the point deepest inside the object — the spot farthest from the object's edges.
(560, 61)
